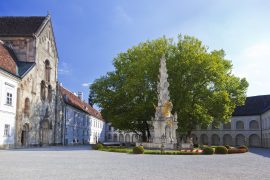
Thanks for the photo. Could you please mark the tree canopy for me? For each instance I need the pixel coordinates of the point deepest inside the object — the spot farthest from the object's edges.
(202, 88)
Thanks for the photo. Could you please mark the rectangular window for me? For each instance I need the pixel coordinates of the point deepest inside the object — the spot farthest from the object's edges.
(6, 130)
(9, 99)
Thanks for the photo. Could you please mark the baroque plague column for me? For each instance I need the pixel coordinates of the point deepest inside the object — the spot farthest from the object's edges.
(164, 124)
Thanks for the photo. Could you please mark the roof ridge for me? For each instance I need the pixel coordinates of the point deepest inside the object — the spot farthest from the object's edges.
(90, 110)
(20, 16)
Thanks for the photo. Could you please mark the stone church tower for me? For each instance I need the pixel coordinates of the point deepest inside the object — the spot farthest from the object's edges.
(31, 40)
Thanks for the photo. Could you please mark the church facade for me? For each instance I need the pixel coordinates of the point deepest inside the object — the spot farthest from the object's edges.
(31, 106)
(31, 41)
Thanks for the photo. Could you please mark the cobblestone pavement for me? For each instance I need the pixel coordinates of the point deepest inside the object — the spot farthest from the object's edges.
(66, 163)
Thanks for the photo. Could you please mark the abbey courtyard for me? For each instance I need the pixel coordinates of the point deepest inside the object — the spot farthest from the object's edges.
(50, 130)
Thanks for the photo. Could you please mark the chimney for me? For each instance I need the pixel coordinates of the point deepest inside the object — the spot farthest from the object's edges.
(80, 95)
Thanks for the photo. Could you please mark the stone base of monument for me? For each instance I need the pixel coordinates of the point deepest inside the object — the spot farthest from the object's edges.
(186, 146)
(156, 145)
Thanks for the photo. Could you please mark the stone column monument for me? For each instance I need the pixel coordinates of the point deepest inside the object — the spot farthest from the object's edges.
(164, 124)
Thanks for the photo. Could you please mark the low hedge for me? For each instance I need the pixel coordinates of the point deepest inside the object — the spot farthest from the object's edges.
(119, 150)
(221, 150)
(98, 146)
(227, 146)
(138, 150)
(235, 150)
(208, 150)
(243, 147)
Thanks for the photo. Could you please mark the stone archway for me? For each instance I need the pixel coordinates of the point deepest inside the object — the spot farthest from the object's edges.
(115, 138)
(204, 139)
(227, 140)
(215, 140)
(127, 138)
(134, 138)
(254, 140)
(239, 140)
(121, 138)
(25, 134)
(44, 133)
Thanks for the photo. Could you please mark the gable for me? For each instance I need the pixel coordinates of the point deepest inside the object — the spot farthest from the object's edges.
(46, 39)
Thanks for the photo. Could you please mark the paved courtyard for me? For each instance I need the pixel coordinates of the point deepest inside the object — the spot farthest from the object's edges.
(81, 163)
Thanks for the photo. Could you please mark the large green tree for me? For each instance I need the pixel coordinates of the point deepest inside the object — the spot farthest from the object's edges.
(202, 88)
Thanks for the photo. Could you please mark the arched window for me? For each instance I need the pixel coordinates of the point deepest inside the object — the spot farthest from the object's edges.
(227, 125)
(50, 93)
(204, 139)
(47, 71)
(227, 140)
(215, 139)
(127, 138)
(253, 125)
(27, 107)
(254, 140)
(240, 140)
(42, 90)
(215, 125)
(239, 125)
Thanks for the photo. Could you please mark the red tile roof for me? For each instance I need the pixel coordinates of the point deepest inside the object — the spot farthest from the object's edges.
(75, 101)
(7, 62)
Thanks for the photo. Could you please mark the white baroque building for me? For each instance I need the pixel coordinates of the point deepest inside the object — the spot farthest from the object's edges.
(8, 98)
(82, 124)
(250, 125)
(116, 135)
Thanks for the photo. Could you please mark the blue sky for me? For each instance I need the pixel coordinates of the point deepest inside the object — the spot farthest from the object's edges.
(89, 34)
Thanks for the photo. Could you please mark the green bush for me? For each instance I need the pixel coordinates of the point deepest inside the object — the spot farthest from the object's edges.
(235, 150)
(98, 146)
(243, 147)
(221, 150)
(138, 150)
(228, 147)
(208, 150)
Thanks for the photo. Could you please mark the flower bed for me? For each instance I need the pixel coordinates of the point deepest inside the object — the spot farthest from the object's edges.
(235, 150)
(206, 150)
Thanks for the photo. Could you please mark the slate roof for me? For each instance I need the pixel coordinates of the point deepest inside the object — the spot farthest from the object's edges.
(254, 105)
(24, 67)
(75, 101)
(20, 25)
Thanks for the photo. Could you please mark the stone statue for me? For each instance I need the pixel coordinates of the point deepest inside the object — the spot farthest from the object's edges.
(164, 122)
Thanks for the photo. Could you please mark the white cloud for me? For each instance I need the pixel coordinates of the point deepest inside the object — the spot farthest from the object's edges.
(64, 69)
(86, 84)
(121, 15)
(254, 63)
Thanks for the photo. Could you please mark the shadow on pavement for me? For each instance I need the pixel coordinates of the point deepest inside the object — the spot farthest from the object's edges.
(260, 151)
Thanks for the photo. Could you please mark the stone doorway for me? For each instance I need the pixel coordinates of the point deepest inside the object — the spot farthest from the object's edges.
(24, 135)
(44, 133)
